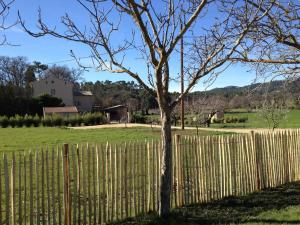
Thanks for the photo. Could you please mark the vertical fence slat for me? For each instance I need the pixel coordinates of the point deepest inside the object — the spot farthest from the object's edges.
(7, 196)
(20, 212)
(154, 185)
(95, 214)
(58, 186)
(111, 181)
(31, 188)
(98, 184)
(74, 178)
(134, 180)
(53, 187)
(84, 184)
(48, 188)
(115, 184)
(78, 185)
(127, 206)
(43, 187)
(120, 183)
(12, 190)
(89, 199)
(37, 170)
(1, 203)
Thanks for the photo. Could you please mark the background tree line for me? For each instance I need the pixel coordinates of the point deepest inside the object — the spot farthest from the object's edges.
(16, 75)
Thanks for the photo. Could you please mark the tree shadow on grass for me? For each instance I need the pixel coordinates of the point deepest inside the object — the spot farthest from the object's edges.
(231, 210)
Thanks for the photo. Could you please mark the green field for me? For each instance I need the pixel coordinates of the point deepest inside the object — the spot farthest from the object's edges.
(279, 206)
(14, 139)
(292, 120)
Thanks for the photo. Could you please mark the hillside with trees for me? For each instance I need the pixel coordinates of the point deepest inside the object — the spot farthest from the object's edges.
(251, 96)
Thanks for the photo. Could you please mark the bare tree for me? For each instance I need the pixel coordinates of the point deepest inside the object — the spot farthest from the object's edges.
(4, 11)
(13, 71)
(150, 32)
(273, 111)
(64, 72)
(273, 46)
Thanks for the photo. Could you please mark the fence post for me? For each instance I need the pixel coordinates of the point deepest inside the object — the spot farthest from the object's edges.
(257, 150)
(284, 136)
(67, 197)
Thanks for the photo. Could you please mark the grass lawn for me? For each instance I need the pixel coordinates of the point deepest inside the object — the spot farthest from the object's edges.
(292, 120)
(14, 139)
(272, 206)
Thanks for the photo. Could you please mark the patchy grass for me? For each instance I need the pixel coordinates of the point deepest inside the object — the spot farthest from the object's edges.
(272, 206)
(14, 139)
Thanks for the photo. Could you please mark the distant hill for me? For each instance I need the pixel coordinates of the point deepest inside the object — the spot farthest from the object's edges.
(292, 87)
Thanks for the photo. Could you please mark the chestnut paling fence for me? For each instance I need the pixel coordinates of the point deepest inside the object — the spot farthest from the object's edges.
(96, 184)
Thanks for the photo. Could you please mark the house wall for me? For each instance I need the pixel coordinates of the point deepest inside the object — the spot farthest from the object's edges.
(55, 87)
(84, 103)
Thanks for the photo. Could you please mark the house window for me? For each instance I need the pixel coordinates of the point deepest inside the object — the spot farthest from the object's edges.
(52, 91)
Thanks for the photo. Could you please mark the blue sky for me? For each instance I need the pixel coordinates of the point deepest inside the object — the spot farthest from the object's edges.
(49, 50)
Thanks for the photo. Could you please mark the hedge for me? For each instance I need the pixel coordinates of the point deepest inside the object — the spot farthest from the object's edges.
(235, 119)
(52, 121)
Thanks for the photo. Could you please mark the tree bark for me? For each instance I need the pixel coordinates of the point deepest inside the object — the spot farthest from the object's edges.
(166, 164)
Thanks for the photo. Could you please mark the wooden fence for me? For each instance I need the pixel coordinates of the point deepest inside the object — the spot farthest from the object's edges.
(96, 184)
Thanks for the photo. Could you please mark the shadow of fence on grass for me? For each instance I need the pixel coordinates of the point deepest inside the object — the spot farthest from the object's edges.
(232, 210)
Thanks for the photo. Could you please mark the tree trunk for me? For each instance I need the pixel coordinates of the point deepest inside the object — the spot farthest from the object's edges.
(166, 164)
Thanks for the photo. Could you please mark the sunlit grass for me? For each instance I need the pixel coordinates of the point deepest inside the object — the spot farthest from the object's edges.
(14, 139)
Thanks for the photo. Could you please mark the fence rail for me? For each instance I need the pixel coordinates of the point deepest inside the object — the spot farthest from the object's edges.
(97, 184)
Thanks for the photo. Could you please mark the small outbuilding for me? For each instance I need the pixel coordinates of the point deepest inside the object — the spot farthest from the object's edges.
(62, 111)
(117, 113)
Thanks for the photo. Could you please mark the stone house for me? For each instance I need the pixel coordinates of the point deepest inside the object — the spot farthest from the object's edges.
(64, 90)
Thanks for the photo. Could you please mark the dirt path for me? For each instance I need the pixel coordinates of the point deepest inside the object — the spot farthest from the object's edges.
(122, 125)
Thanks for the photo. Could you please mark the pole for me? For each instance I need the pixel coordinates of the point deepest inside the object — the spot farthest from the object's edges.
(182, 80)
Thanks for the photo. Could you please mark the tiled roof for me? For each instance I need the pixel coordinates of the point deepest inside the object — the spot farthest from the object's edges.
(66, 109)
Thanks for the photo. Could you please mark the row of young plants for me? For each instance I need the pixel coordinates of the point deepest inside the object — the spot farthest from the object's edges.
(53, 121)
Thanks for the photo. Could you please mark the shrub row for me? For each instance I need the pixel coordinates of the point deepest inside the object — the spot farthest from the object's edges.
(232, 119)
(138, 118)
(235, 119)
(53, 121)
